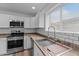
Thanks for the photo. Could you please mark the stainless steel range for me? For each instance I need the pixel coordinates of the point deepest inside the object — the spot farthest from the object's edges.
(15, 41)
(15, 44)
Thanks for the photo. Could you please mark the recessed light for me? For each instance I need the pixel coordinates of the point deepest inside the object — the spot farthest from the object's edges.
(33, 8)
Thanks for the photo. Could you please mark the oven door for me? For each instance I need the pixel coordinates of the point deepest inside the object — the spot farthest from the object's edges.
(11, 44)
(15, 44)
(19, 43)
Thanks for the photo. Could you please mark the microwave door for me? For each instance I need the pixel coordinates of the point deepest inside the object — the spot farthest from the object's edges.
(17, 24)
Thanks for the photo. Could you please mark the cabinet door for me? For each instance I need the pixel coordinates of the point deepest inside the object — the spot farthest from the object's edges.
(41, 20)
(25, 42)
(4, 22)
(27, 22)
(16, 18)
(37, 51)
(36, 21)
(29, 42)
(3, 46)
(12, 17)
(19, 18)
(32, 22)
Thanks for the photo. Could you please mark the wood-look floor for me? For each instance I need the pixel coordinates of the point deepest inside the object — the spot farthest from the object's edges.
(24, 53)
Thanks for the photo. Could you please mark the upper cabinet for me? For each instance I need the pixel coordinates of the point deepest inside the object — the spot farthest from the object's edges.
(32, 22)
(27, 22)
(40, 20)
(16, 18)
(4, 22)
(37, 21)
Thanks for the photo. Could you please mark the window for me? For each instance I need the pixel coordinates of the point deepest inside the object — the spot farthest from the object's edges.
(70, 17)
(54, 16)
(70, 10)
(63, 17)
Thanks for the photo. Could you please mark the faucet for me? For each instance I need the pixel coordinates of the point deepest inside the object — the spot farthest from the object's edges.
(49, 31)
(54, 35)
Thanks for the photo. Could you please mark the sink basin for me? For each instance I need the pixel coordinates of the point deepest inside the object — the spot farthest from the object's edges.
(44, 42)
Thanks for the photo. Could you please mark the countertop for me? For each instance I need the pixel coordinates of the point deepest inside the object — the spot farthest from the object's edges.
(36, 36)
(73, 52)
(32, 35)
(4, 35)
(40, 37)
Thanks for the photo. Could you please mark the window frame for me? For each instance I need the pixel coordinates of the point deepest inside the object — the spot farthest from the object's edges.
(51, 10)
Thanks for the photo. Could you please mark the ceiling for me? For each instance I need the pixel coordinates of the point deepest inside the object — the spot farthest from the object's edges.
(23, 8)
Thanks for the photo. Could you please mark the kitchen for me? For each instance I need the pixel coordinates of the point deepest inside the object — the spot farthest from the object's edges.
(39, 29)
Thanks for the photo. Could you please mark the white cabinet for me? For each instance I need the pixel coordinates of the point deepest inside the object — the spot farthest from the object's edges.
(32, 22)
(37, 21)
(40, 20)
(12, 17)
(3, 46)
(27, 42)
(37, 51)
(27, 22)
(16, 18)
(4, 22)
(20, 18)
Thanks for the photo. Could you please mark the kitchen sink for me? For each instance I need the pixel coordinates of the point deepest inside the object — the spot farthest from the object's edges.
(44, 42)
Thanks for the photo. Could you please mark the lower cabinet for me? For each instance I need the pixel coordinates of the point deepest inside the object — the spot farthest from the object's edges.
(37, 51)
(27, 42)
(3, 46)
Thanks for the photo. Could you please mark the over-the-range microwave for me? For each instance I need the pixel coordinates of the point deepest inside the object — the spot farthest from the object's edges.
(16, 24)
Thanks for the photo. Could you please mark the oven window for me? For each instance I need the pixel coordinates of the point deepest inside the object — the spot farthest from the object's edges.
(15, 44)
(19, 43)
(11, 44)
